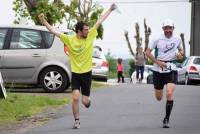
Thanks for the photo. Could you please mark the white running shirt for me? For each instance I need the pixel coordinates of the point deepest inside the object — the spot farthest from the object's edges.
(165, 50)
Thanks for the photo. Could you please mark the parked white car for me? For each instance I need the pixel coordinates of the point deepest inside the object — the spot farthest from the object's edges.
(32, 55)
(189, 70)
(100, 65)
(147, 71)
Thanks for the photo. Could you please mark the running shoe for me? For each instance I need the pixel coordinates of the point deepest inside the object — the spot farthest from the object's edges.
(166, 123)
(76, 124)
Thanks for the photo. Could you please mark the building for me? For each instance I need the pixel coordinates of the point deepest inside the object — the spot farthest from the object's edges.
(195, 28)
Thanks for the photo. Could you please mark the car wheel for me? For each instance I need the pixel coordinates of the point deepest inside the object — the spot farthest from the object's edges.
(148, 80)
(104, 79)
(54, 80)
(187, 81)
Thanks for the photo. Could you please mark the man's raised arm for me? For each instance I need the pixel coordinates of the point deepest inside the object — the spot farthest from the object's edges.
(48, 26)
(105, 15)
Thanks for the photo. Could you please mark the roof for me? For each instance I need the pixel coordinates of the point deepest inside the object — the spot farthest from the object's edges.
(34, 27)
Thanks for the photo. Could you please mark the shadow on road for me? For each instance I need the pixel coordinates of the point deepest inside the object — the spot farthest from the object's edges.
(28, 89)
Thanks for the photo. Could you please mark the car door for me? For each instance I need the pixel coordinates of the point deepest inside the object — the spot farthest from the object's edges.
(23, 55)
(3, 33)
(182, 71)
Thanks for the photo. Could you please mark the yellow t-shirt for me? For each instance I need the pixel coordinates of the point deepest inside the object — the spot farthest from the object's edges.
(80, 51)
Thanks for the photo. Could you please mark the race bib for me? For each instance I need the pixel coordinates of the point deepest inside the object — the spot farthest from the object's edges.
(169, 67)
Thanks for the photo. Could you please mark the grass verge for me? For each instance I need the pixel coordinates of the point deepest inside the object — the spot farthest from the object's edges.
(18, 106)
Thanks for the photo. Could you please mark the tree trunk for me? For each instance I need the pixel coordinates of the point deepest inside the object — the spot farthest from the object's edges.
(183, 42)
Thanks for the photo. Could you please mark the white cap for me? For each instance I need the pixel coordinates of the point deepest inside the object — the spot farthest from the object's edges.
(168, 22)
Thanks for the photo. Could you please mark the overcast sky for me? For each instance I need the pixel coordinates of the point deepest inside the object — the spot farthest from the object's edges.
(131, 12)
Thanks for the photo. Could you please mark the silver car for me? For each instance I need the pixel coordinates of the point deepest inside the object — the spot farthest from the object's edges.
(32, 55)
(100, 65)
(189, 70)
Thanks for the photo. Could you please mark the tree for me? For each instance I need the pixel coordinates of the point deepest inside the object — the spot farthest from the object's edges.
(128, 43)
(183, 42)
(112, 65)
(56, 11)
(147, 31)
(138, 43)
(137, 36)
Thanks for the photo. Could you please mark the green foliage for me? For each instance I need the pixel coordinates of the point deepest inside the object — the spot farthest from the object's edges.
(112, 65)
(55, 11)
(149, 62)
(131, 67)
(30, 9)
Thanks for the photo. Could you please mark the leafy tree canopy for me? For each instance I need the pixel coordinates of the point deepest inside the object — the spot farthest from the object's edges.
(56, 10)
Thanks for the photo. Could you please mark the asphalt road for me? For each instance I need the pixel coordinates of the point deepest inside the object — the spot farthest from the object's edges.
(130, 109)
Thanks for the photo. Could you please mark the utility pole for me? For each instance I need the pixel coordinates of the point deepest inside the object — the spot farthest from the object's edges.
(195, 28)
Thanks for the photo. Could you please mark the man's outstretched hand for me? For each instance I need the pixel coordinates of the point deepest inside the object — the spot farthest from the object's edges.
(41, 17)
(113, 7)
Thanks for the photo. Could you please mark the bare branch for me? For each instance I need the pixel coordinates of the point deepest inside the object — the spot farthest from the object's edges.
(183, 41)
(147, 32)
(128, 43)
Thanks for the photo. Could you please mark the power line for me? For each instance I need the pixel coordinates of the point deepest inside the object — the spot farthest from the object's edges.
(145, 1)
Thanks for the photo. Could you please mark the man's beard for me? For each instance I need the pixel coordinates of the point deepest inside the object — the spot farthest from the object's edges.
(168, 34)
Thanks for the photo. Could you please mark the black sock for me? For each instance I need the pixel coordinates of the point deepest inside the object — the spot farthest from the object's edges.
(77, 119)
(169, 106)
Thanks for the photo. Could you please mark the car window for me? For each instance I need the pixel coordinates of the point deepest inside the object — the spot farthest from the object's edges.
(25, 39)
(2, 37)
(97, 53)
(48, 38)
(196, 61)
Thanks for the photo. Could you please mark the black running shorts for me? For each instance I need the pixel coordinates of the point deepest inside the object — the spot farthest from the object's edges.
(160, 79)
(82, 82)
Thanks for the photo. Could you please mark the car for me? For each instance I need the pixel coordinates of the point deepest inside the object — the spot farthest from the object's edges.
(150, 78)
(189, 71)
(32, 55)
(147, 71)
(100, 65)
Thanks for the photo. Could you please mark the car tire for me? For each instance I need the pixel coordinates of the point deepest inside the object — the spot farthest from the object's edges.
(104, 79)
(148, 80)
(54, 80)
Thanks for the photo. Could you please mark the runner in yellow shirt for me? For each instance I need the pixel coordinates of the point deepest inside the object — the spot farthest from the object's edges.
(80, 48)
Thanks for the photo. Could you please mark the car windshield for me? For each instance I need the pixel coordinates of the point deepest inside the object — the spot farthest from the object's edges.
(196, 61)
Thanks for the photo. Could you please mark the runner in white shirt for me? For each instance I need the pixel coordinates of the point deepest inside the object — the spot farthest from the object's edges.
(168, 48)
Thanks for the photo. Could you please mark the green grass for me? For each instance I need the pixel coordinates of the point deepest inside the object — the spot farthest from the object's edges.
(18, 106)
(96, 85)
(112, 74)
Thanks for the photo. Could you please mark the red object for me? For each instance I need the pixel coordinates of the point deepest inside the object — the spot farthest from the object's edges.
(66, 50)
(104, 64)
(120, 67)
(192, 69)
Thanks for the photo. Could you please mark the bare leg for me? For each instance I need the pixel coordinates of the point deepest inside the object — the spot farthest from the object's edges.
(169, 104)
(159, 94)
(75, 103)
(86, 101)
(170, 91)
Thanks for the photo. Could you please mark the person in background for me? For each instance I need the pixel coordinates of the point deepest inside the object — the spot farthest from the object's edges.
(120, 70)
(140, 59)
